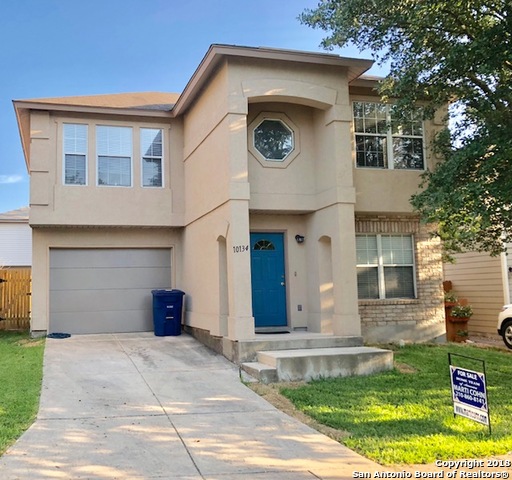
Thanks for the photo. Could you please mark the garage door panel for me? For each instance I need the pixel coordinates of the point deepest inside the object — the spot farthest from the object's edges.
(101, 278)
(105, 290)
(110, 300)
(109, 258)
(104, 322)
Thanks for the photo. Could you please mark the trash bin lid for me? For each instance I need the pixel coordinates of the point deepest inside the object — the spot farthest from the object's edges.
(167, 292)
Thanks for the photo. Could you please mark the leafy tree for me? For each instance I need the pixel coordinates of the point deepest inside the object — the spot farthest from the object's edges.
(440, 52)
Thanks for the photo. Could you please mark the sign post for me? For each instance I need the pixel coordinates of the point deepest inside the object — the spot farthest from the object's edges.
(469, 393)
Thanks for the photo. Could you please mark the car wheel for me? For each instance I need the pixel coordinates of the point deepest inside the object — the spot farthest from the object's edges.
(507, 333)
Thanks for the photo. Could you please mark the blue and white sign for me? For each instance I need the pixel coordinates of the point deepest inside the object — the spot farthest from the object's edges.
(469, 394)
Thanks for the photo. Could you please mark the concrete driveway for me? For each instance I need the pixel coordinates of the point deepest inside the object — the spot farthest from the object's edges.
(136, 406)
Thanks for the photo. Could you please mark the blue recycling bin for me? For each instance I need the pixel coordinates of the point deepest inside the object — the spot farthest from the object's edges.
(167, 308)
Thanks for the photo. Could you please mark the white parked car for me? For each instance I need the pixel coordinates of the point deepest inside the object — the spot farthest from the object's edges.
(505, 325)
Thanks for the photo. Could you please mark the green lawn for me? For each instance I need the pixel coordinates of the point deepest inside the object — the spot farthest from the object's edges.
(405, 416)
(21, 362)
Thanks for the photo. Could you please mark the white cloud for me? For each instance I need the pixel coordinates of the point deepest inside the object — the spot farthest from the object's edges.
(11, 178)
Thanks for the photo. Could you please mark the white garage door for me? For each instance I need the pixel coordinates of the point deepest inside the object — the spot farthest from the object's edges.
(105, 290)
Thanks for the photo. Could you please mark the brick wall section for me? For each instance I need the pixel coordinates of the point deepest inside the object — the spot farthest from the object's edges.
(412, 319)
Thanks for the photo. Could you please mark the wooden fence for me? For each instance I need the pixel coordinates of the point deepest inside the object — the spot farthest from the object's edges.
(15, 296)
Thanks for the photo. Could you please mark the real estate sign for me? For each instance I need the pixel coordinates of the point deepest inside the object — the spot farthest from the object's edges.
(469, 394)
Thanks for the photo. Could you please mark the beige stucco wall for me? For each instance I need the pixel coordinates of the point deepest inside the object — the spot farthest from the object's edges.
(217, 214)
(318, 105)
(284, 189)
(331, 264)
(224, 182)
(219, 280)
(43, 239)
(387, 190)
(53, 203)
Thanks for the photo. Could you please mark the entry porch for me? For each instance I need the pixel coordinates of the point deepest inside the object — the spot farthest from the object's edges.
(300, 355)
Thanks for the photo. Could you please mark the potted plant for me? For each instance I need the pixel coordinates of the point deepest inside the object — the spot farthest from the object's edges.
(457, 322)
(461, 335)
(457, 314)
(450, 298)
(461, 313)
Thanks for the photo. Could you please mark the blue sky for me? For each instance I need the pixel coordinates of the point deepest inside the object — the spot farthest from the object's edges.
(52, 48)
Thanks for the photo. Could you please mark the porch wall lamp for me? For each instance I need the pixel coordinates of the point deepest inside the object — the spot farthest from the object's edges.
(299, 238)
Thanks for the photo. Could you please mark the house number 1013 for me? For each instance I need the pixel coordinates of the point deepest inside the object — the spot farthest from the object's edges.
(240, 248)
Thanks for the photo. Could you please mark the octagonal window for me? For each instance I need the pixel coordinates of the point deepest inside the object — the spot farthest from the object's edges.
(273, 139)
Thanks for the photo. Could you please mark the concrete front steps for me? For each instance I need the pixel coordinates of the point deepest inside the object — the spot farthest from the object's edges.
(306, 364)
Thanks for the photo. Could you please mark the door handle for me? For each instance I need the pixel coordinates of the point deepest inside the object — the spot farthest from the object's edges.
(282, 284)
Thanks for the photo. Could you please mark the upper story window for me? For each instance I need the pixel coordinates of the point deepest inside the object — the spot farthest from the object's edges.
(114, 150)
(75, 154)
(273, 139)
(383, 142)
(385, 266)
(151, 155)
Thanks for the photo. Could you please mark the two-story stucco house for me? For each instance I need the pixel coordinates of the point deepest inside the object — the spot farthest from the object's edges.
(274, 191)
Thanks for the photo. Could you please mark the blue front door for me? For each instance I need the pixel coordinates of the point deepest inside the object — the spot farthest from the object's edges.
(268, 280)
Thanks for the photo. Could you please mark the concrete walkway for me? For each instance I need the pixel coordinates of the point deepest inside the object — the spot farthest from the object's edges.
(136, 406)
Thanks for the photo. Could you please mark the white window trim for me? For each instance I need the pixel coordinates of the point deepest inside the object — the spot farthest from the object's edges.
(380, 266)
(142, 156)
(64, 152)
(98, 184)
(389, 136)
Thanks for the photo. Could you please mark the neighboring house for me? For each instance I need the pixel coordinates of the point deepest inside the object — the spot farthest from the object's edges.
(270, 190)
(15, 272)
(486, 282)
(15, 239)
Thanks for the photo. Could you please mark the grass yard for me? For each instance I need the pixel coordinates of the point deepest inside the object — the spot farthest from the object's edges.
(21, 368)
(405, 416)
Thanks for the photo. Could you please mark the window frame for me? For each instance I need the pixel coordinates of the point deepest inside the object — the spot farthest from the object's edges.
(109, 155)
(290, 125)
(381, 266)
(65, 152)
(143, 157)
(388, 137)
